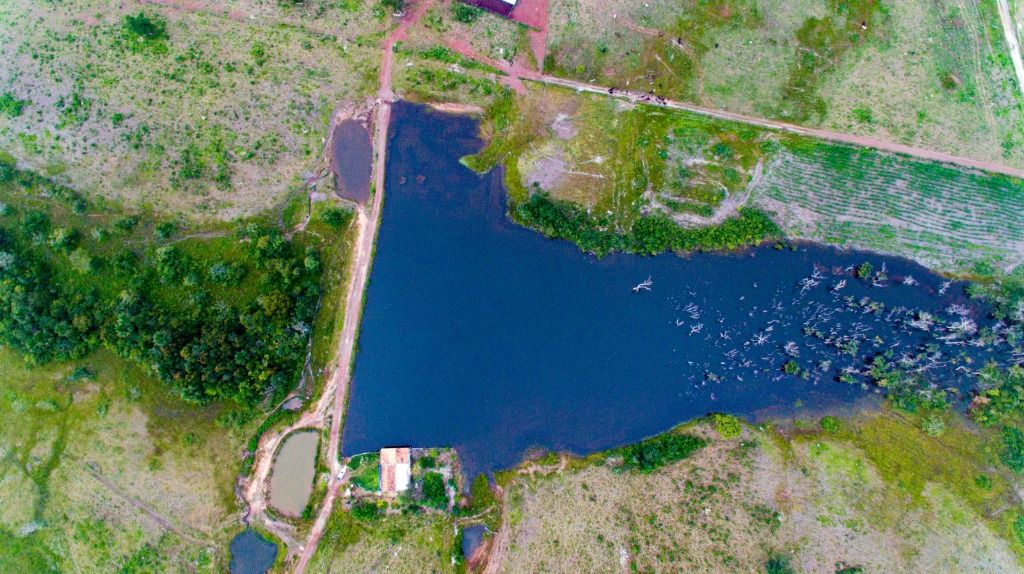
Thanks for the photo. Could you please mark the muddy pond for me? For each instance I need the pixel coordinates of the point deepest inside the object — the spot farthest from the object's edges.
(351, 160)
(488, 337)
(294, 468)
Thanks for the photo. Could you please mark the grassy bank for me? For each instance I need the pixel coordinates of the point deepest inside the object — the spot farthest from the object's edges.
(610, 176)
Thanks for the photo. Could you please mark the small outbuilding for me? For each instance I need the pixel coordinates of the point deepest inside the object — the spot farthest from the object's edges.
(503, 7)
(395, 470)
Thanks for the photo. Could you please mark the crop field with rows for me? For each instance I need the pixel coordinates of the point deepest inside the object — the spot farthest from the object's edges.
(951, 218)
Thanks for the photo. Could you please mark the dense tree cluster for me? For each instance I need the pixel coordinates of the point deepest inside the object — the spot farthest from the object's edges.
(650, 235)
(206, 350)
(653, 453)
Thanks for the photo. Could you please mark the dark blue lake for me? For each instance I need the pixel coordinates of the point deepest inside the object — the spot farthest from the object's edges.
(488, 337)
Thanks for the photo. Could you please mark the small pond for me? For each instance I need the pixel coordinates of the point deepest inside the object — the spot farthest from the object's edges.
(472, 538)
(251, 553)
(488, 337)
(351, 160)
(294, 468)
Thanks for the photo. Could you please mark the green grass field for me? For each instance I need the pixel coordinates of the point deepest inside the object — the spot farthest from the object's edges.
(83, 444)
(205, 112)
(933, 74)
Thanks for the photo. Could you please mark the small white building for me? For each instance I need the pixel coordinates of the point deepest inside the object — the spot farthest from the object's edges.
(395, 470)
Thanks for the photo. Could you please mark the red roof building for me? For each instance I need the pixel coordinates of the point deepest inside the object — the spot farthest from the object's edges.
(395, 470)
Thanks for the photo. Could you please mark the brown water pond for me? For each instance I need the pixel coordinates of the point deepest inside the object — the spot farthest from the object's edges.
(351, 157)
(294, 469)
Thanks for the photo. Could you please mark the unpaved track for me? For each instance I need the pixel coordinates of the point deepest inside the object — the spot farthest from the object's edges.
(93, 471)
(863, 141)
(520, 73)
(1012, 41)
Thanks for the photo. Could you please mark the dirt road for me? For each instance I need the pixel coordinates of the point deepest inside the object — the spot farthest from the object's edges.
(368, 222)
(863, 141)
(1012, 41)
(518, 73)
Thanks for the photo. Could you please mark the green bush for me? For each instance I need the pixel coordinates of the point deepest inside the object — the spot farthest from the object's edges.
(791, 367)
(1018, 528)
(778, 564)
(933, 425)
(11, 106)
(146, 27)
(336, 217)
(830, 423)
(1013, 449)
(435, 494)
(465, 13)
(864, 271)
(654, 453)
(649, 235)
(365, 511)
(727, 426)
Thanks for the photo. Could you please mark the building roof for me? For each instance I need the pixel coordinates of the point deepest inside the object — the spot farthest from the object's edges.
(395, 469)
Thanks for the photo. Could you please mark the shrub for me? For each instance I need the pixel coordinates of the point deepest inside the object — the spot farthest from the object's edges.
(336, 217)
(481, 495)
(82, 261)
(651, 454)
(146, 27)
(63, 239)
(35, 224)
(1013, 449)
(126, 224)
(465, 13)
(435, 494)
(11, 106)
(933, 425)
(166, 230)
(727, 426)
(226, 274)
(830, 423)
(1018, 528)
(778, 564)
(983, 482)
(365, 510)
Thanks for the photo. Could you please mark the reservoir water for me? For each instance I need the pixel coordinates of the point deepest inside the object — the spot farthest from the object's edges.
(488, 337)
